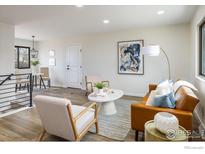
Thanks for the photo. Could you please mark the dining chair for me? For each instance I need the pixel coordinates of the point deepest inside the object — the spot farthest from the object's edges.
(22, 81)
(45, 75)
(60, 118)
(91, 80)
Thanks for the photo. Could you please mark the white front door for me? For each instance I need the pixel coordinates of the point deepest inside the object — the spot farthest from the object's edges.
(74, 68)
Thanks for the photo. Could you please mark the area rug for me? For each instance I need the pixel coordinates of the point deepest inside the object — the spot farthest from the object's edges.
(115, 126)
(118, 125)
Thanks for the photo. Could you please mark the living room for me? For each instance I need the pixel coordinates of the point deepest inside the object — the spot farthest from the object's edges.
(138, 68)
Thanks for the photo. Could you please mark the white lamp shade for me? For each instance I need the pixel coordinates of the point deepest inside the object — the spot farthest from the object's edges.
(153, 50)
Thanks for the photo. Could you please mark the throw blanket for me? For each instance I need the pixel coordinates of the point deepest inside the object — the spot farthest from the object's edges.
(180, 83)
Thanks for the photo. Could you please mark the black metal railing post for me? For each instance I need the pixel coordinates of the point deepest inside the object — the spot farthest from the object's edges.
(31, 89)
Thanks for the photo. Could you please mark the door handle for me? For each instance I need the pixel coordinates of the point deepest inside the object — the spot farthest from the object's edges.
(68, 67)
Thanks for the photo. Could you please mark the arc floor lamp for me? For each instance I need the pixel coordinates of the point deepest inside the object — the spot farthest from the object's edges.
(154, 50)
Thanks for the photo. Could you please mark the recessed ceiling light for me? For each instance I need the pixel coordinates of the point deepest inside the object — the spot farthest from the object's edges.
(79, 5)
(160, 12)
(106, 21)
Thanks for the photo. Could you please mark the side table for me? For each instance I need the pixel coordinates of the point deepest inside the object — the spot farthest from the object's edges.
(152, 134)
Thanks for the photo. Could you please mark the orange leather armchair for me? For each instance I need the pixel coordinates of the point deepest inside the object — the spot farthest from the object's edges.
(186, 102)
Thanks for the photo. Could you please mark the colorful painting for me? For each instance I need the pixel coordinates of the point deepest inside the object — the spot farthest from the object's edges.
(130, 58)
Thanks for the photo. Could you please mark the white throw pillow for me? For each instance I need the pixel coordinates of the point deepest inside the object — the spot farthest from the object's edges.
(151, 97)
(180, 83)
(164, 88)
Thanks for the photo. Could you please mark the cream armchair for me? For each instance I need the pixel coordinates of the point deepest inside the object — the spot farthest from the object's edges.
(59, 117)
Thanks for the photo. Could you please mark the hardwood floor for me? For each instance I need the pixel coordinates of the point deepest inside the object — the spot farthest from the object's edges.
(26, 125)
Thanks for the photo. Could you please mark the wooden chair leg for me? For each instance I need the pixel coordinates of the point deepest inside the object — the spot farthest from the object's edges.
(20, 87)
(28, 87)
(41, 135)
(136, 135)
(49, 83)
(97, 127)
(40, 83)
(24, 87)
(16, 87)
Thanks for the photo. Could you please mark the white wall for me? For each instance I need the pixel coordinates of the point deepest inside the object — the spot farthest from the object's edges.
(7, 65)
(100, 56)
(22, 42)
(198, 80)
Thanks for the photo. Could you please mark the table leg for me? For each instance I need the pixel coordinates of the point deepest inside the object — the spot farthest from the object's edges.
(98, 107)
(40, 83)
(108, 108)
(32, 82)
(35, 80)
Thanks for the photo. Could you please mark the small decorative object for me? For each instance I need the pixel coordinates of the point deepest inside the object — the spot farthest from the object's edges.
(100, 87)
(22, 57)
(34, 52)
(52, 61)
(34, 63)
(51, 53)
(166, 122)
(130, 58)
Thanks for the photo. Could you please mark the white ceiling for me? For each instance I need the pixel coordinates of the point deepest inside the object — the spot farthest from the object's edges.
(49, 22)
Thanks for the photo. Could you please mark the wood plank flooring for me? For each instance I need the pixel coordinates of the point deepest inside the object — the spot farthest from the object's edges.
(26, 125)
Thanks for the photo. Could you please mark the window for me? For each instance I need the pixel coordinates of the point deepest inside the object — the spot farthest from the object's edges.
(22, 57)
(202, 49)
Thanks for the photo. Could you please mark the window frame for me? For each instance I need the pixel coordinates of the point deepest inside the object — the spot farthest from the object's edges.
(200, 48)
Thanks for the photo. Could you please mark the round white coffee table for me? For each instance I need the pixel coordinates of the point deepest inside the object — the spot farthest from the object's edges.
(106, 103)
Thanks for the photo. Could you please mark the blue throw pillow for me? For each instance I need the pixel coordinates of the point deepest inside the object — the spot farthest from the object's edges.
(166, 101)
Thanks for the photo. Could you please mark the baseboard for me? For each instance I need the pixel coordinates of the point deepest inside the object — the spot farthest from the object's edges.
(58, 86)
(14, 111)
(125, 93)
(200, 121)
(134, 94)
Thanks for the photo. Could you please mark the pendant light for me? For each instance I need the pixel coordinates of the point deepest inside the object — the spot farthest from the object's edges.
(34, 52)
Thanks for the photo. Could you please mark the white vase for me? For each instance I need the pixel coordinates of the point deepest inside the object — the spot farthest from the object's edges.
(100, 91)
(34, 69)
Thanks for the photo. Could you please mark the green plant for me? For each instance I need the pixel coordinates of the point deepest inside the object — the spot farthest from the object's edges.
(99, 85)
(35, 62)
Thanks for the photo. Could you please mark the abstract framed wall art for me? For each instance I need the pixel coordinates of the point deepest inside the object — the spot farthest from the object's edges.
(130, 58)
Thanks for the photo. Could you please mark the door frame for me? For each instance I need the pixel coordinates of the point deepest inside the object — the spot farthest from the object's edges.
(81, 67)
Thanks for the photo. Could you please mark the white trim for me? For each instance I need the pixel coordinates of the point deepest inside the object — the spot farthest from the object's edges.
(201, 78)
(125, 93)
(58, 86)
(15, 111)
(199, 119)
(134, 94)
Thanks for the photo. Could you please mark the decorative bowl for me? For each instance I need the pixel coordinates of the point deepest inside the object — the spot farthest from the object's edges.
(166, 122)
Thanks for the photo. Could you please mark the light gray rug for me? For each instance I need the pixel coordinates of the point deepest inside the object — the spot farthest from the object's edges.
(118, 125)
(115, 126)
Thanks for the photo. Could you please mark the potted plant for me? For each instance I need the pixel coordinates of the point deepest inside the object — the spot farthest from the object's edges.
(34, 63)
(100, 87)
